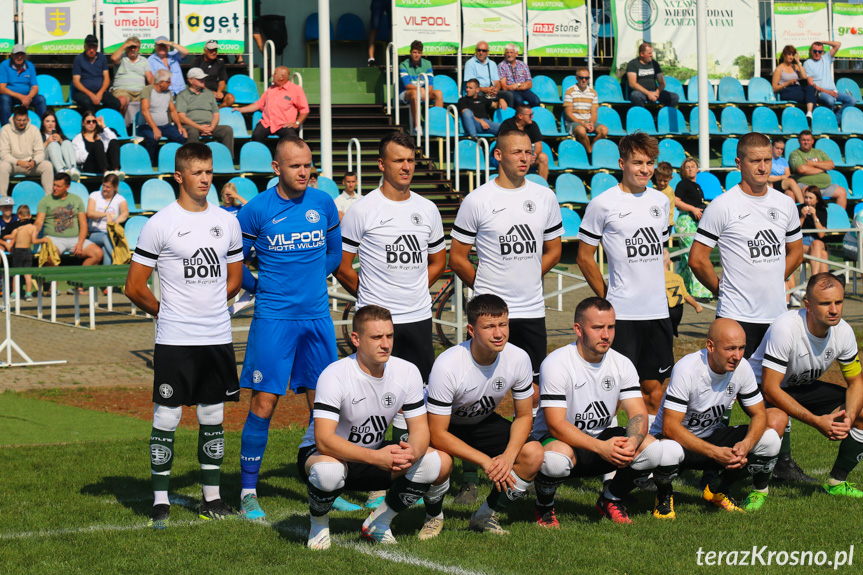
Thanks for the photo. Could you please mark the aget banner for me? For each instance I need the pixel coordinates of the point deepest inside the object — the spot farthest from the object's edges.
(498, 22)
(848, 29)
(57, 26)
(799, 24)
(556, 28)
(221, 20)
(435, 23)
(146, 19)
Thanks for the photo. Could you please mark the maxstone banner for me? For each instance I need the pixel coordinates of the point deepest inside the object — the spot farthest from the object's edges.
(220, 20)
(556, 28)
(848, 29)
(670, 26)
(435, 23)
(799, 24)
(57, 26)
(146, 19)
(498, 22)
(7, 26)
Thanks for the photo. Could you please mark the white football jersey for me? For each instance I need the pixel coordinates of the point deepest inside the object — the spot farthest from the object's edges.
(751, 232)
(509, 228)
(703, 396)
(393, 240)
(191, 251)
(788, 348)
(364, 406)
(588, 391)
(469, 392)
(633, 229)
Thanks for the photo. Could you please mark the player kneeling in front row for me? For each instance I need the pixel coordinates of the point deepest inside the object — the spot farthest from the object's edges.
(798, 348)
(199, 251)
(355, 402)
(703, 385)
(466, 384)
(580, 386)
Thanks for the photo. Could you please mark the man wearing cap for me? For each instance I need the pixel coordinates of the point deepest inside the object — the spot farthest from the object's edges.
(21, 152)
(90, 79)
(283, 107)
(18, 85)
(132, 72)
(199, 112)
(6, 217)
(159, 115)
(217, 75)
(167, 56)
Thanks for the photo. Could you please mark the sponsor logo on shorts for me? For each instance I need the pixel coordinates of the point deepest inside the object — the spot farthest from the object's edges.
(215, 448)
(160, 455)
(216, 232)
(388, 400)
(257, 376)
(166, 390)
(313, 216)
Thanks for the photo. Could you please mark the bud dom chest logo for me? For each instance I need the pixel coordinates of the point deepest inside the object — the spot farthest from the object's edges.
(764, 245)
(202, 267)
(405, 250)
(517, 241)
(644, 243)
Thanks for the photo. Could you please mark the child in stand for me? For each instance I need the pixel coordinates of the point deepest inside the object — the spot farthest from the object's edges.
(19, 244)
(675, 291)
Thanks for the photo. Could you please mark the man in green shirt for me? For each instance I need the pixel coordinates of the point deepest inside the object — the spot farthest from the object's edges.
(199, 112)
(413, 85)
(64, 219)
(809, 166)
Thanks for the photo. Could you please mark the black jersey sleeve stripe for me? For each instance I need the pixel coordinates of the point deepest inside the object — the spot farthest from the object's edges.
(553, 229)
(146, 254)
(412, 406)
(463, 231)
(350, 242)
(547, 397)
(235, 252)
(792, 232)
(776, 360)
(581, 230)
(846, 359)
(748, 395)
(439, 403)
(707, 234)
(325, 407)
(676, 400)
(523, 389)
(436, 243)
(249, 236)
(633, 388)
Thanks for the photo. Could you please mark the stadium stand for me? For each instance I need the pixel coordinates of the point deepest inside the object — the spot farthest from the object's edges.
(694, 126)
(709, 185)
(670, 120)
(606, 155)
(571, 155)
(547, 91)
(852, 121)
(155, 195)
(640, 120)
(601, 182)
(571, 223)
(245, 187)
(570, 190)
(609, 118)
(135, 161)
(730, 91)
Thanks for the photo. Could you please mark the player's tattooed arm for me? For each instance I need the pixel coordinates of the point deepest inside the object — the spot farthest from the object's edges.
(637, 428)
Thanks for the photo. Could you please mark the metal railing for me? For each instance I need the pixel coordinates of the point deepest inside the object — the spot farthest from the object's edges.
(392, 62)
(269, 62)
(482, 142)
(424, 82)
(454, 110)
(297, 79)
(355, 142)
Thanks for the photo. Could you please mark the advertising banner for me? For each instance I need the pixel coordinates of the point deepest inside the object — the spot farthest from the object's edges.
(146, 19)
(848, 29)
(799, 24)
(556, 28)
(435, 23)
(57, 26)
(220, 20)
(498, 22)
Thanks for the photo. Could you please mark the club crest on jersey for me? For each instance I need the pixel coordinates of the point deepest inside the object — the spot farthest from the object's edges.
(655, 211)
(729, 390)
(498, 383)
(416, 219)
(313, 216)
(828, 353)
(166, 390)
(257, 376)
(388, 400)
(773, 214)
(529, 206)
(216, 232)
(607, 383)
(765, 245)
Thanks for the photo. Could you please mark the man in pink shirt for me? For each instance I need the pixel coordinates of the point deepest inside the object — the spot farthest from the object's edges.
(283, 107)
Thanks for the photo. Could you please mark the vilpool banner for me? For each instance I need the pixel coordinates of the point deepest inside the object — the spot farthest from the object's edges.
(498, 22)
(799, 24)
(56, 26)
(848, 29)
(220, 20)
(146, 19)
(435, 23)
(556, 28)
(7, 26)
(670, 27)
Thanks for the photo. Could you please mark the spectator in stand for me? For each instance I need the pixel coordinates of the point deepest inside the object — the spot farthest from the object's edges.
(106, 206)
(232, 201)
(475, 110)
(97, 148)
(167, 56)
(810, 166)
(63, 219)
(819, 68)
(217, 75)
(199, 112)
(378, 8)
(662, 178)
(131, 74)
(349, 197)
(91, 79)
(580, 105)
(313, 178)
(18, 85)
(515, 79)
(790, 81)
(7, 204)
(283, 107)
(523, 120)
(484, 71)
(160, 116)
(813, 215)
(21, 152)
(689, 200)
(58, 148)
(780, 173)
(646, 81)
(413, 85)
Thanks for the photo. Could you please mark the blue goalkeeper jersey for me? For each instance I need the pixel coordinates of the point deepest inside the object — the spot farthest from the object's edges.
(298, 243)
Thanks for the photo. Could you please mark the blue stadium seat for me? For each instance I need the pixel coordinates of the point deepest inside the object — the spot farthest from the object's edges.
(824, 122)
(670, 120)
(222, 161)
(166, 157)
(437, 121)
(858, 207)
(732, 179)
(731, 91)
(80, 190)
(245, 187)
(794, 121)
(448, 87)
(606, 155)
(125, 190)
(243, 88)
(537, 179)
(729, 152)
(639, 119)
(256, 117)
(467, 155)
(552, 163)
(272, 182)
(34, 118)
(571, 223)
(852, 121)
(28, 194)
(831, 148)
(709, 185)
(234, 119)
(791, 144)
(255, 158)
(132, 228)
(734, 121)
(601, 182)
(692, 91)
(837, 217)
(711, 120)
(761, 92)
(311, 28)
(70, 122)
(671, 151)
(135, 161)
(609, 118)
(608, 90)
(674, 86)
(570, 190)
(571, 155)
(50, 88)
(115, 121)
(854, 152)
(846, 85)
(500, 116)
(545, 88)
(839, 179)
(764, 121)
(213, 196)
(856, 185)
(675, 179)
(350, 28)
(568, 82)
(329, 186)
(544, 119)
(156, 194)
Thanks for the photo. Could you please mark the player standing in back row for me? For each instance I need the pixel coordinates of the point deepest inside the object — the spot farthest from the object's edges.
(198, 250)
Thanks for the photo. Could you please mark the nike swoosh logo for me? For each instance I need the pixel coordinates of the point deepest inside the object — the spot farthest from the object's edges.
(623, 215)
(471, 389)
(703, 391)
(664, 370)
(181, 234)
(804, 354)
(356, 401)
(275, 221)
(236, 391)
(385, 221)
(498, 211)
(742, 217)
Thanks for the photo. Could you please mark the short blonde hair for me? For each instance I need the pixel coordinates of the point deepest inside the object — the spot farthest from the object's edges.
(229, 186)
